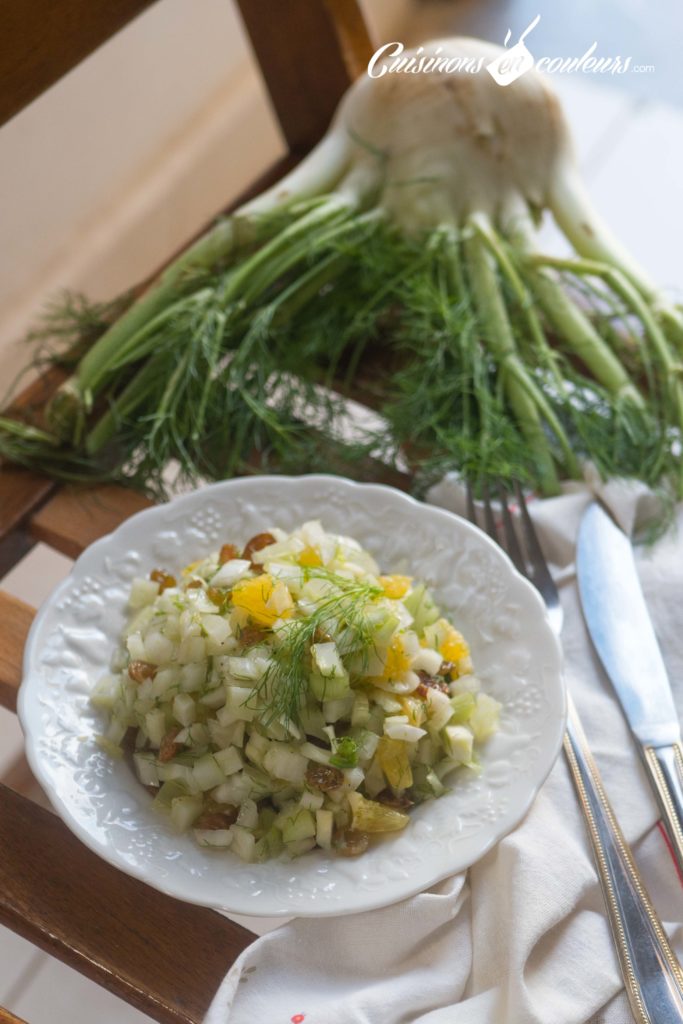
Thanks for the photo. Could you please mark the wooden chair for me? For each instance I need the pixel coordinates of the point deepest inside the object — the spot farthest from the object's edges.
(163, 956)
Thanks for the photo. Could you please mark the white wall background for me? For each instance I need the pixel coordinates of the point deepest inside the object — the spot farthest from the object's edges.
(125, 158)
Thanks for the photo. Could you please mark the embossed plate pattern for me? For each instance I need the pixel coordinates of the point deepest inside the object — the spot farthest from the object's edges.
(514, 650)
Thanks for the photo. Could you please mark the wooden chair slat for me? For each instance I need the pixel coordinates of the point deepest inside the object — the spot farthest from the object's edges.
(41, 40)
(165, 957)
(9, 1018)
(77, 516)
(16, 618)
(309, 52)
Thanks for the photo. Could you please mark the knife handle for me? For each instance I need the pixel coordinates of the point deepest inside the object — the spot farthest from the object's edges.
(652, 974)
(665, 767)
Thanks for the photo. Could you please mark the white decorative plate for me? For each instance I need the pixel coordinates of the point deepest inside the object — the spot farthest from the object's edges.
(514, 651)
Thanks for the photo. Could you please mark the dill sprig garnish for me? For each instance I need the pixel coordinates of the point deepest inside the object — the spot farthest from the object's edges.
(281, 693)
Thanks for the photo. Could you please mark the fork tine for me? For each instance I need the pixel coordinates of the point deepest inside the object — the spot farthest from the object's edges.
(539, 567)
(511, 542)
(489, 521)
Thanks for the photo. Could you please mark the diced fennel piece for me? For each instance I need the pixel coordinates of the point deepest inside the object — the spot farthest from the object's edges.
(229, 760)
(250, 667)
(484, 719)
(238, 699)
(214, 698)
(140, 621)
(135, 647)
(268, 846)
(158, 649)
(370, 816)
(170, 771)
(283, 762)
(184, 708)
(291, 575)
(217, 632)
(165, 682)
(191, 649)
(386, 701)
(184, 810)
(375, 781)
(439, 709)
(296, 823)
(220, 838)
(333, 710)
(324, 824)
(155, 726)
(311, 800)
(248, 814)
(353, 777)
(360, 713)
(243, 843)
(327, 660)
(256, 747)
(208, 773)
(142, 593)
(299, 847)
(426, 660)
(314, 753)
(168, 792)
(467, 683)
(146, 768)
(398, 728)
(422, 607)
(105, 692)
(366, 743)
(230, 572)
(328, 688)
(463, 705)
(457, 742)
(236, 789)
(192, 676)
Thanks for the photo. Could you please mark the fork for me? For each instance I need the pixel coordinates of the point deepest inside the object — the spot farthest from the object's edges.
(652, 974)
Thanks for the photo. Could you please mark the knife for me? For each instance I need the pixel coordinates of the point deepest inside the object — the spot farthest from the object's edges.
(624, 638)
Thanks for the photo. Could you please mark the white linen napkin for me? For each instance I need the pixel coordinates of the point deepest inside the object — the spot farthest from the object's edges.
(521, 938)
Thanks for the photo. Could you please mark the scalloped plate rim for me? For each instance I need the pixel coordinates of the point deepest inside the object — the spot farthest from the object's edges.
(506, 824)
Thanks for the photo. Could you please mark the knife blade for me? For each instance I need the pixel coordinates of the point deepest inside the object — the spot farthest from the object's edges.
(623, 635)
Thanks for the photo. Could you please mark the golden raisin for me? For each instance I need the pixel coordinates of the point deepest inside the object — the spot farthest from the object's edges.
(141, 670)
(193, 585)
(227, 553)
(353, 843)
(251, 635)
(430, 682)
(217, 819)
(163, 579)
(257, 543)
(216, 596)
(168, 747)
(323, 776)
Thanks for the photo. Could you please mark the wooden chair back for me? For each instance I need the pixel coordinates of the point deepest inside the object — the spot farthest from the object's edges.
(165, 957)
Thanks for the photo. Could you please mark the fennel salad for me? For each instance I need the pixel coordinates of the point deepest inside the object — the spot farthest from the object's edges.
(287, 695)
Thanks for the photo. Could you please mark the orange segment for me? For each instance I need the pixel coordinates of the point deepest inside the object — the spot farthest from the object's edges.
(255, 595)
(395, 587)
(310, 558)
(397, 661)
(393, 759)
(454, 647)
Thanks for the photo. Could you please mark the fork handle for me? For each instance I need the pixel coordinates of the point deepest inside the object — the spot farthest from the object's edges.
(652, 974)
(665, 768)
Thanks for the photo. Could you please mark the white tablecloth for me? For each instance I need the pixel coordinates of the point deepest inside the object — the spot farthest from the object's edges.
(522, 936)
